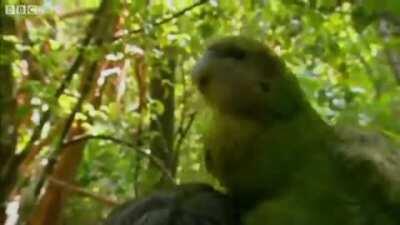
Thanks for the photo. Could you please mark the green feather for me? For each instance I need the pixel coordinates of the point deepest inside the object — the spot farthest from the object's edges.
(275, 154)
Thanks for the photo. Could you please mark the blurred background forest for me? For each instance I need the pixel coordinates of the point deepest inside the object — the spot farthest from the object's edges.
(97, 106)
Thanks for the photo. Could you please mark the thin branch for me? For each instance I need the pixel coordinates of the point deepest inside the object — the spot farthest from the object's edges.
(180, 132)
(59, 147)
(159, 22)
(184, 131)
(180, 13)
(158, 162)
(183, 111)
(25, 164)
(46, 115)
(73, 188)
(63, 85)
(161, 134)
(75, 13)
(90, 74)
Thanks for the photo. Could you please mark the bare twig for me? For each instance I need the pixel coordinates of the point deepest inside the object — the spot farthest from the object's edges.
(64, 83)
(46, 115)
(184, 131)
(151, 157)
(79, 12)
(180, 13)
(106, 19)
(68, 123)
(73, 188)
(60, 90)
(159, 22)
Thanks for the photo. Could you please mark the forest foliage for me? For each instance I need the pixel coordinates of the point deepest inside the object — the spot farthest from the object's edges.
(97, 105)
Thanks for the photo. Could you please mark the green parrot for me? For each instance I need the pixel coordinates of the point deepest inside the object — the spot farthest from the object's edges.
(186, 204)
(279, 160)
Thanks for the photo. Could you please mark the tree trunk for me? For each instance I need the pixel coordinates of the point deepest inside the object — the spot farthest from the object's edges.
(8, 134)
(51, 204)
(162, 89)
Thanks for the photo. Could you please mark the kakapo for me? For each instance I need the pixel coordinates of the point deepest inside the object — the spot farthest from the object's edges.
(275, 155)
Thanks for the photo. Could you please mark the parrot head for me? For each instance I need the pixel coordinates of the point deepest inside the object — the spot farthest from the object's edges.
(243, 78)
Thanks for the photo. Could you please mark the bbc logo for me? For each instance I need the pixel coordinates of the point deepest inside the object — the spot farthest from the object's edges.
(22, 10)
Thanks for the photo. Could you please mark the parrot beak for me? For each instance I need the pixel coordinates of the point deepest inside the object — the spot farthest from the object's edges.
(201, 73)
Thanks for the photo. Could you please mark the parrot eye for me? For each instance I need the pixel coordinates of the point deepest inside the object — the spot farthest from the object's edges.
(264, 86)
